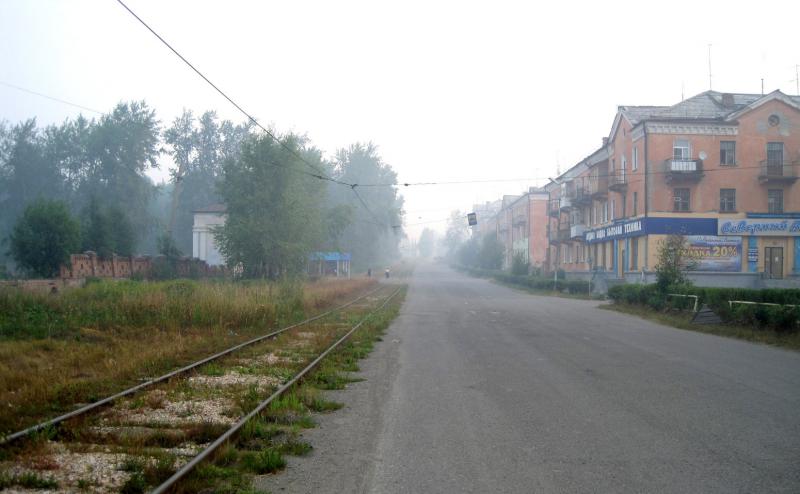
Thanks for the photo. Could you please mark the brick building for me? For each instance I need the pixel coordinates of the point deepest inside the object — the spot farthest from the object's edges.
(719, 168)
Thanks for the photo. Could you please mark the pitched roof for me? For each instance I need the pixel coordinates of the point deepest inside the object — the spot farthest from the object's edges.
(212, 208)
(708, 105)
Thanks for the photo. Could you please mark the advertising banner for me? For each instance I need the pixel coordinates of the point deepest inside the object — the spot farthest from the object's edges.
(713, 253)
(766, 226)
(650, 226)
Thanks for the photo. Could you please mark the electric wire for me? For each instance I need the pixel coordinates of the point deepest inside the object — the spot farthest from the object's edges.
(317, 173)
(42, 95)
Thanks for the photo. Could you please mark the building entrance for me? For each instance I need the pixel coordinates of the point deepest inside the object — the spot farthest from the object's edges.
(773, 262)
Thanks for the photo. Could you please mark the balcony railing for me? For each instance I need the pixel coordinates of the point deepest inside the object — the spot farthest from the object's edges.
(583, 195)
(563, 234)
(617, 180)
(776, 172)
(598, 186)
(566, 203)
(677, 169)
(576, 231)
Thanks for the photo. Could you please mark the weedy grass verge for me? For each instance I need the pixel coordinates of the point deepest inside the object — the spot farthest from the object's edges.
(683, 320)
(57, 351)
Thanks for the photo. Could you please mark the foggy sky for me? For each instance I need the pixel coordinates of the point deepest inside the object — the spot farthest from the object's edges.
(448, 90)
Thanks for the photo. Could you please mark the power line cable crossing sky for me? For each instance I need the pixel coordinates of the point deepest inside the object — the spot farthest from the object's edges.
(480, 91)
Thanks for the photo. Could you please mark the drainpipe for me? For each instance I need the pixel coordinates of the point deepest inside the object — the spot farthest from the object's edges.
(646, 198)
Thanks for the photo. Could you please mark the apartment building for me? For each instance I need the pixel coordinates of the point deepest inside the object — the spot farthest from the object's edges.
(520, 224)
(719, 168)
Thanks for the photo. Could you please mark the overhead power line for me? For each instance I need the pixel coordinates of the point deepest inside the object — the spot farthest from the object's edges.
(53, 98)
(320, 174)
(316, 172)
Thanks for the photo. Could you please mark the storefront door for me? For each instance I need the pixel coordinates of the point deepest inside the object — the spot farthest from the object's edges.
(773, 262)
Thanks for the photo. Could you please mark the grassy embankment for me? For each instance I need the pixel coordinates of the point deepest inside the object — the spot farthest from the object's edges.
(683, 320)
(83, 344)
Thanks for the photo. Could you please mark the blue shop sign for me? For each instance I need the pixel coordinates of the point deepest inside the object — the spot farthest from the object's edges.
(779, 227)
(652, 226)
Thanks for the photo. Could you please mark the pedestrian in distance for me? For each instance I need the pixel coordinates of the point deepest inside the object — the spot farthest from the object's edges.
(369, 273)
(387, 273)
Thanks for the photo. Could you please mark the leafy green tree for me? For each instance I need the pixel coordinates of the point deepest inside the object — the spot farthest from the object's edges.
(25, 174)
(199, 147)
(106, 231)
(122, 146)
(96, 230)
(274, 213)
(491, 253)
(374, 234)
(44, 237)
(672, 262)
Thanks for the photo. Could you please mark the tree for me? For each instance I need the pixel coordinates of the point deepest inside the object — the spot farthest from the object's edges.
(375, 231)
(457, 232)
(491, 253)
(274, 214)
(672, 262)
(427, 242)
(199, 147)
(107, 231)
(44, 237)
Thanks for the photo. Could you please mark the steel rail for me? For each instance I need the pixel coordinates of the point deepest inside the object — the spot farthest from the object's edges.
(91, 406)
(178, 475)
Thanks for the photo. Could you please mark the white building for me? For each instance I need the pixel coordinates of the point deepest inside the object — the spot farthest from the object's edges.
(204, 246)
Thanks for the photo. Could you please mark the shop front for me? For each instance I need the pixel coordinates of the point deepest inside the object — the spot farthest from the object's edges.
(773, 243)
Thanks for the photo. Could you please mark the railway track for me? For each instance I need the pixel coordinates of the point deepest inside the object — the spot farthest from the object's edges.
(152, 436)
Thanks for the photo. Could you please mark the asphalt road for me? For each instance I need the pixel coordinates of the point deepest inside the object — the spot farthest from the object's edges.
(481, 388)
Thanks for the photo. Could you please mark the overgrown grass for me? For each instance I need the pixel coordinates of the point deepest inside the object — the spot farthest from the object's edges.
(85, 343)
(262, 442)
(683, 320)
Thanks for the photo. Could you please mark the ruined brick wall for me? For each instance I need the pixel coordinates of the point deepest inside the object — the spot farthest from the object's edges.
(89, 265)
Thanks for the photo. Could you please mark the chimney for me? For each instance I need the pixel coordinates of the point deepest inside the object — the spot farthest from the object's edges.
(605, 141)
(727, 100)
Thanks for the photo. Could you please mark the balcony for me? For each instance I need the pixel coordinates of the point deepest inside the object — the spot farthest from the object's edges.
(554, 207)
(566, 203)
(583, 197)
(563, 234)
(519, 220)
(617, 180)
(598, 186)
(576, 231)
(777, 173)
(683, 170)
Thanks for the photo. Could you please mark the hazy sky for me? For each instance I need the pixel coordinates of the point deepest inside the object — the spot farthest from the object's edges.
(448, 90)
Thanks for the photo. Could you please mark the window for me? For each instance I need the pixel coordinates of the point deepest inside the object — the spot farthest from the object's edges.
(727, 153)
(775, 200)
(635, 203)
(635, 163)
(681, 196)
(681, 150)
(613, 209)
(634, 253)
(727, 200)
(624, 162)
(774, 153)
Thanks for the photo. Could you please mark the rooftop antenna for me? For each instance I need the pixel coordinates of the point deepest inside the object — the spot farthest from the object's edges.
(762, 86)
(683, 90)
(709, 67)
(797, 79)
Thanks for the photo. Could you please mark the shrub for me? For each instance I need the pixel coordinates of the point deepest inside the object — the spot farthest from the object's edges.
(783, 318)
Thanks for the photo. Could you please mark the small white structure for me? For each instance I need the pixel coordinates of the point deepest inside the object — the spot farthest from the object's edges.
(204, 246)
